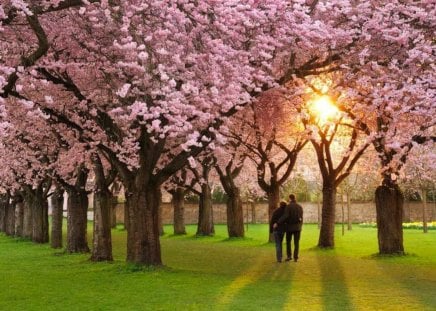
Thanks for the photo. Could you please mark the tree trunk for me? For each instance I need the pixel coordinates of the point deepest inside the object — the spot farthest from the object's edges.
(342, 214)
(253, 212)
(126, 211)
(57, 202)
(39, 216)
(327, 232)
(10, 217)
(273, 203)
(2, 213)
(235, 216)
(424, 211)
(143, 246)
(389, 205)
(19, 214)
(114, 202)
(433, 211)
(205, 220)
(102, 238)
(319, 213)
(179, 210)
(77, 207)
(349, 219)
(27, 216)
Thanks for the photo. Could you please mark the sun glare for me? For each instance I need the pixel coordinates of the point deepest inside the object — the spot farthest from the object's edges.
(324, 108)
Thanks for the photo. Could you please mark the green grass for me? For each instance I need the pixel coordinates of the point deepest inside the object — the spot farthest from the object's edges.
(216, 273)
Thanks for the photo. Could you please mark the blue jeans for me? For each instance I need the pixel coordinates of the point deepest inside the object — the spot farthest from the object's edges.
(278, 238)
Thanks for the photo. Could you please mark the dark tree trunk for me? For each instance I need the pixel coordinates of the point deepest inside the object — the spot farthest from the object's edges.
(253, 212)
(57, 202)
(10, 217)
(2, 213)
(179, 210)
(77, 207)
(205, 218)
(102, 238)
(126, 211)
(389, 205)
(27, 216)
(235, 216)
(327, 232)
(424, 211)
(349, 218)
(273, 203)
(142, 205)
(19, 214)
(39, 216)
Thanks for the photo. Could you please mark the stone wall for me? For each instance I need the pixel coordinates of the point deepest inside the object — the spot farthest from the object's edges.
(258, 213)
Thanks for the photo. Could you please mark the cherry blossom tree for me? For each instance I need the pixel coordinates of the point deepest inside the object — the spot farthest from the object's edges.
(393, 87)
(270, 143)
(229, 161)
(147, 86)
(149, 95)
(419, 174)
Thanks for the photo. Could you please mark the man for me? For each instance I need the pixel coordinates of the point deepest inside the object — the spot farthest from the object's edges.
(278, 230)
(292, 218)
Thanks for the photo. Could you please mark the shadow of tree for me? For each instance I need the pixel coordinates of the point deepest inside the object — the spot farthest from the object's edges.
(334, 290)
(265, 283)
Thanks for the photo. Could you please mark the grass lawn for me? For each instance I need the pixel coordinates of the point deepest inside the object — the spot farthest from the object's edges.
(215, 273)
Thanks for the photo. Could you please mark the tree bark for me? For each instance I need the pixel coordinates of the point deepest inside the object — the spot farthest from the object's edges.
(424, 211)
(142, 204)
(103, 201)
(10, 217)
(327, 232)
(19, 214)
(102, 238)
(235, 216)
(77, 207)
(39, 216)
(349, 218)
(113, 210)
(319, 212)
(179, 210)
(389, 205)
(27, 216)
(2, 212)
(57, 202)
(253, 212)
(205, 218)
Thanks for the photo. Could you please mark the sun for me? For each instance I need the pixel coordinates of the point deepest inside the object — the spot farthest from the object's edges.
(323, 108)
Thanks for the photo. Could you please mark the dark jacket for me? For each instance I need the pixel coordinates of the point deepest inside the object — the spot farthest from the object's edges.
(278, 212)
(292, 217)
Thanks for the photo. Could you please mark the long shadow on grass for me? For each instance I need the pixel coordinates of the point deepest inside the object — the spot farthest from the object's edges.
(265, 285)
(418, 282)
(335, 294)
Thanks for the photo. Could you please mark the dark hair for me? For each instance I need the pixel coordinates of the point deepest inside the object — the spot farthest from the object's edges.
(283, 204)
(292, 197)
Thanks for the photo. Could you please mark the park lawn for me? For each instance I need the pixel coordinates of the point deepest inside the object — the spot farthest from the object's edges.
(216, 273)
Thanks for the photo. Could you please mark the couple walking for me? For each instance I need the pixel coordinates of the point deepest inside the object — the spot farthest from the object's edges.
(287, 219)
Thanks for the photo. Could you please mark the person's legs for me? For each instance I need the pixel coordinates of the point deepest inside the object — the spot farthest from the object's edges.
(288, 246)
(296, 244)
(278, 238)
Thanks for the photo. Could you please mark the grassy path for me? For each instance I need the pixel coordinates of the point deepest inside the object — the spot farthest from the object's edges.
(220, 274)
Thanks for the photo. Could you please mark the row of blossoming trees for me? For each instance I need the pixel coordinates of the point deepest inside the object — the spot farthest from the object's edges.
(156, 93)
